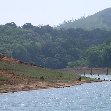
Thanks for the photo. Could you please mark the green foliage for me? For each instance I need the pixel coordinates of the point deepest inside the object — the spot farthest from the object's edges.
(42, 78)
(3, 78)
(52, 48)
(99, 56)
(79, 63)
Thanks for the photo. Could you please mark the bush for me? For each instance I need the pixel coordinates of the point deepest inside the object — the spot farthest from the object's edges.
(42, 78)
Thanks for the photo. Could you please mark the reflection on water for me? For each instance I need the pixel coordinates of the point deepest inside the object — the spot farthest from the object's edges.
(85, 97)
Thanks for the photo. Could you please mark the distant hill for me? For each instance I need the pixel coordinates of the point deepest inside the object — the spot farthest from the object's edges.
(100, 20)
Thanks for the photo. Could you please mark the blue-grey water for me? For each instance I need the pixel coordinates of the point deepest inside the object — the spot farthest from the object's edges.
(101, 76)
(85, 97)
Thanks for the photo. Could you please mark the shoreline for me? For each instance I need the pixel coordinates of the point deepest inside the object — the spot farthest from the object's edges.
(41, 85)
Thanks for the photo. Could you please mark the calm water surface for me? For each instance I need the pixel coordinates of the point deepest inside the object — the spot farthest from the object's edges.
(101, 76)
(86, 97)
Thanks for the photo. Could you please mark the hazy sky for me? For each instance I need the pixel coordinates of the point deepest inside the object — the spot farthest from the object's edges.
(50, 12)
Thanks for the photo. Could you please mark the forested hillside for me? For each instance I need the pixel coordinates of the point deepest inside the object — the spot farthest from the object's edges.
(49, 47)
(100, 20)
(96, 56)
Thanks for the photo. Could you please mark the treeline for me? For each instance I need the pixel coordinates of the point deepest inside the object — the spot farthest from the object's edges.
(49, 47)
(97, 56)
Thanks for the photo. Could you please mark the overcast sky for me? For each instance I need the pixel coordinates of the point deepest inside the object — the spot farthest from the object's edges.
(52, 12)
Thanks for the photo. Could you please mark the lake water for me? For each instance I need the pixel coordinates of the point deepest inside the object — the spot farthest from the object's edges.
(85, 97)
(101, 76)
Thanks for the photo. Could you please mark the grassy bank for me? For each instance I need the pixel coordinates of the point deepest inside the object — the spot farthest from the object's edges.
(19, 77)
(37, 72)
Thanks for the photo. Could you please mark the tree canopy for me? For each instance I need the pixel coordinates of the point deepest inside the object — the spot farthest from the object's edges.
(49, 47)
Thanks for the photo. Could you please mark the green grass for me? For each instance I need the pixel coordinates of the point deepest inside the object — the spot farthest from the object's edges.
(3, 78)
(38, 72)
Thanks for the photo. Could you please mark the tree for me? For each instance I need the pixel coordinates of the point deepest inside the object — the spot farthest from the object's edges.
(12, 24)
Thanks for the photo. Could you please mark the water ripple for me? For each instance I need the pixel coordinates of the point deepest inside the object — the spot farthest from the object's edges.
(86, 97)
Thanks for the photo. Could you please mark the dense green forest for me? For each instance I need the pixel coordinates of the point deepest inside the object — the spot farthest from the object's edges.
(96, 56)
(49, 47)
(101, 20)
